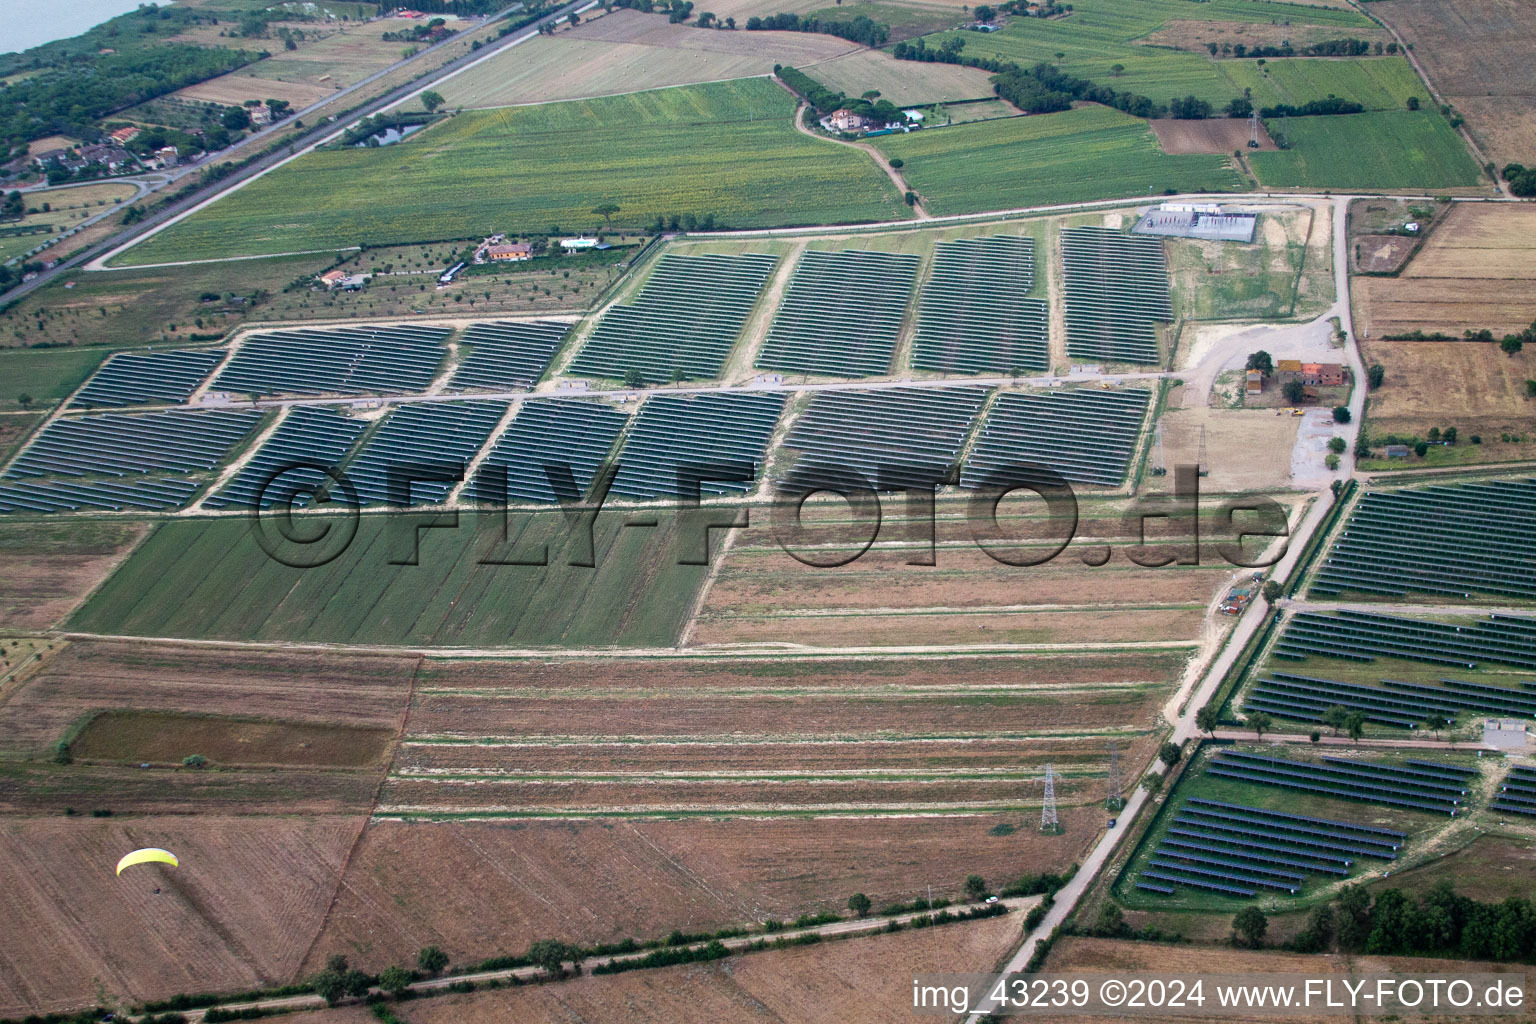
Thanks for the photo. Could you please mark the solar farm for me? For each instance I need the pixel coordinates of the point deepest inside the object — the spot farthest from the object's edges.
(886, 438)
(1517, 793)
(355, 360)
(545, 439)
(1086, 435)
(1458, 540)
(842, 314)
(147, 378)
(417, 455)
(1116, 292)
(1236, 850)
(507, 355)
(715, 440)
(684, 322)
(1413, 787)
(975, 315)
(292, 461)
(122, 461)
(1364, 636)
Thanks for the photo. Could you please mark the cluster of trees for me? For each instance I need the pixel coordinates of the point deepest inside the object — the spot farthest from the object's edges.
(417, 33)
(861, 29)
(1440, 922)
(1522, 180)
(369, 127)
(1327, 48)
(1024, 9)
(825, 100)
(677, 11)
(70, 99)
(1313, 108)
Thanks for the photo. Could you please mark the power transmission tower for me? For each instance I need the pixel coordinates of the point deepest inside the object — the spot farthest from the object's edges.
(1253, 130)
(1049, 823)
(1114, 801)
(1159, 466)
(1204, 466)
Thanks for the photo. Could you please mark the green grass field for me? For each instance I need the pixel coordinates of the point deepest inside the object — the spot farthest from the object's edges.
(1386, 149)
(46, 375)
(209, 578)
(1076, 155)
(1102, 33)
(728, 149)
(1376, 83)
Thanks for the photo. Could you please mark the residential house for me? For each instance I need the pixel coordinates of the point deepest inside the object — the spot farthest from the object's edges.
(123, 136)
(517, 252)
(845, 121)
(332, 278)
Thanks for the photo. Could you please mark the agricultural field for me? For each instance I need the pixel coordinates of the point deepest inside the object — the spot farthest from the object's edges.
(1476, 54)
(588, 881)
(1469, 385)
(14, 428)
(638, 594)
(1474, 272)
(748, 167)
(1221, 135)
(626, 51)
(864, 978)
(46, 376)
(903, 82)
(51, 567)
(1400, 149)
(68, 206)
(239, 913)
(1089, 153)
(1101, 34)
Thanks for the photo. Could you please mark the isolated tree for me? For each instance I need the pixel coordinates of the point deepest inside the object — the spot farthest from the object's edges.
(24, 400)
(1449, 435)
(1375, 375)
(634, 377)
(1207, 718)
(194, 761)
(1152, 782)
(394, 979)
(551, 955)
(330, 986)
(1336, 717)
(1262, 362)
(61, 754)
(1294, 391)
(1260, 722)
(1109, 924)
(859, 904)
(1116, 70)
(431, 959)
(975, 886)
(1341, 414)
(1421, 449)
(1355, 725)
(1337, 445)
(1413, 103)
(1271, 591)
(1315, 736)
(1249, 926)
(1511, 344)
(984, 13)
(431, 100)
(1170, 753)
(606, 211)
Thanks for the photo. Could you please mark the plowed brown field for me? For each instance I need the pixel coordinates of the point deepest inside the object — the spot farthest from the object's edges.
(51, 567)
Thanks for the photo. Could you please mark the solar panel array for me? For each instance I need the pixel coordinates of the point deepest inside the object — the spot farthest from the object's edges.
(147, 378)
(1398, 704)
(677, 435)
(148, 493)
(684, 322)
(124, 444)
(1517, 793)
(976, 315)
(421, 439)
(1237, 850)
(508, 354)
(1459, 539)
(1408, 788)
(890, 438)
(1364, 636)
(841, 315)
(1086, 435)
(284, 469)
(353, 360)
(566, 432)
(1116, 289)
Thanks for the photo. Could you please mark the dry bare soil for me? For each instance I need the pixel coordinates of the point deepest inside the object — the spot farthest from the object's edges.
(238, 913)
(1477, 270)
(480, 888)
(1215, 135)
(49, 568)
(1477, 53)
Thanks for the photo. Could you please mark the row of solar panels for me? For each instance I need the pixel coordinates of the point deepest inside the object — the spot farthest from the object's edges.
(1364, 636)
(1345, 780)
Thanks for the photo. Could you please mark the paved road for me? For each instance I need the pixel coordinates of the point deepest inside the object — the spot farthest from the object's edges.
(837, 929)
(260, 165)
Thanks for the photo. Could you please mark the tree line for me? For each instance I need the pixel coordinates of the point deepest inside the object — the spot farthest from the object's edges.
(1440, 922)
(861, 29)
(1313, 108)
(1327, 48)
(1522, 180)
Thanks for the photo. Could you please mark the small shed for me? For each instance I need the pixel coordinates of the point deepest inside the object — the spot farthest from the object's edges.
(1397, 451)
(1255, 382)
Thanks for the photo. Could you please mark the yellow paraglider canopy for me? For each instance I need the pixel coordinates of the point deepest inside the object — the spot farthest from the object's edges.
(149, 855)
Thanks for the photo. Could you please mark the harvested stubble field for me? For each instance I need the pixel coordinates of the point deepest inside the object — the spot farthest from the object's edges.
(140, 736)
(524, 168)
(51, 567)
(209, 578)
(41, 787)
(86, 677)
(239, 912)
(1470, 385)
(1214, 135)
(1477, 270)
(14, 429)
(627, 51)
(1477, 53)
(478, 888)
(902, 82)
(857, 979)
